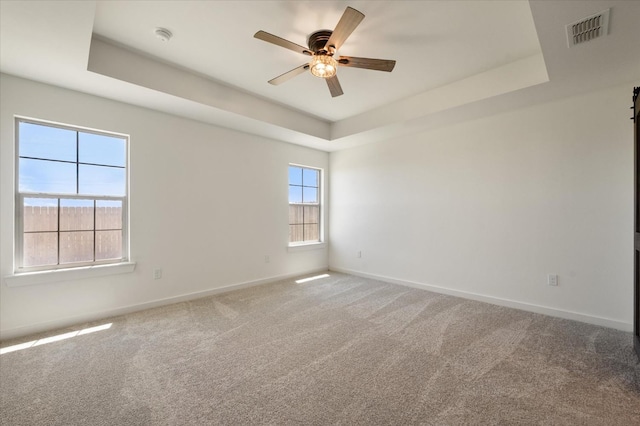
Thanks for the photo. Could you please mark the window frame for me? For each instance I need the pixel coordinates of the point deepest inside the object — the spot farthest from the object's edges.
(19, 267)
(320, 241)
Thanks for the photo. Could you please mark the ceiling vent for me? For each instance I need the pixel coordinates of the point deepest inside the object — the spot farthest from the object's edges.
(589, 28)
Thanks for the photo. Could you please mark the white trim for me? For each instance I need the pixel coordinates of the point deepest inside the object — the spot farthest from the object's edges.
(554, 312)
(306, 246)
(56, 275)
(93, 316)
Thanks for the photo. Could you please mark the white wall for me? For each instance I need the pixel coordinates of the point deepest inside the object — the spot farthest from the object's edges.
(207, 205)
(486, 209)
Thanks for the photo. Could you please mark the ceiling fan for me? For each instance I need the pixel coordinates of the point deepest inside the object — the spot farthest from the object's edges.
(323, 44)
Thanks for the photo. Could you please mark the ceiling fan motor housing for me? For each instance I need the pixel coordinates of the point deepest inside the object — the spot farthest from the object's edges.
(317, 41)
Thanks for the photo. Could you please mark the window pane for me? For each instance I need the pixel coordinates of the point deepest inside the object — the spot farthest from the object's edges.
(101, 149)
(295, 214)
(295, 175)
(63, 163)
(102, 180)
(76, 246)
(47, 176)
(108, 245)
(40, 214)
(40, 249)
(295, 233)
(311, 232)
(76, 215)
(295, 194)
(311, 214)
(47, 142)
(310, 177)
(108, 215)
(309, 195)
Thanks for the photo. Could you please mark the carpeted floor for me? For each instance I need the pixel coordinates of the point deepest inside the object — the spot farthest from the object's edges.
(337, 350)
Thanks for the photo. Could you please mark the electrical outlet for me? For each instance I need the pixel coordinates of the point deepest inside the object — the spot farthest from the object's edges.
(157, 274)
(552, 279)
(267, 259)
(358, 254)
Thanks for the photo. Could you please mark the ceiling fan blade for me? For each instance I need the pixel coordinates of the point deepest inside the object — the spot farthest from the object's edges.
(289, 75)
(279, 41)
(351, 18)
(334, 86)
(367, 63)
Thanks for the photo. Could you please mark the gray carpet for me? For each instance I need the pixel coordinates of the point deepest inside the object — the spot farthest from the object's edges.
(338, 350)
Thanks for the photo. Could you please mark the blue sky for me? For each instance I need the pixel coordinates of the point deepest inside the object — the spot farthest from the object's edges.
(308, 179)
(50, 143)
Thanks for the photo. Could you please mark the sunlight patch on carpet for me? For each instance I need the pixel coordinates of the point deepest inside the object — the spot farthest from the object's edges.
(55, 338)
(317, 277)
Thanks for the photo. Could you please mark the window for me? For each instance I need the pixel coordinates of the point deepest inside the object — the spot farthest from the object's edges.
(304, 205)
(71, 202)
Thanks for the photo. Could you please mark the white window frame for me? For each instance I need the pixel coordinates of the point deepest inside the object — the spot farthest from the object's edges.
(301, 245)
(20, 196)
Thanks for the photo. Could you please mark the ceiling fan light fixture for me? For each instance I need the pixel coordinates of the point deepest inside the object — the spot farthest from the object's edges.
(323, 66)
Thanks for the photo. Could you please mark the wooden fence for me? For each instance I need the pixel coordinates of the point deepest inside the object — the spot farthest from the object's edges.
(71, 234)
(304, 223)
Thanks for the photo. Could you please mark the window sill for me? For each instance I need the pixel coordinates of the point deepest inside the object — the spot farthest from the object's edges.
(306, 246)
(46, 277)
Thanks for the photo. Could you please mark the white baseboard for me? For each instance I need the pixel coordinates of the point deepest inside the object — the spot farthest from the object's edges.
(94, 316)
(590, 319)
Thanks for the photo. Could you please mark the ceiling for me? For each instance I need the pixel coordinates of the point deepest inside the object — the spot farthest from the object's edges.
(455, 60)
